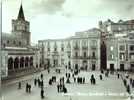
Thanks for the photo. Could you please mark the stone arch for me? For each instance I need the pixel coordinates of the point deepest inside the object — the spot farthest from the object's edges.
(10, 63)
(85, 64)
(21, 62)
(16, 63)
(26, 61)
(31, 61)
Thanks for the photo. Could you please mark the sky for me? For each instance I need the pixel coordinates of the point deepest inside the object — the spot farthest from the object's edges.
(53, 19)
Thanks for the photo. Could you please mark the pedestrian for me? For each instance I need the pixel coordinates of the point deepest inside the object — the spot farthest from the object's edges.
(50, 81)
(26, 87)
(29, 88)
(66, 75)
(131, 80)
(74, 79)
(125, 82)
(58, 88)
(67, 81)
(83, 80)
(41, 76)
(42, 93)
(42, 84)
(133, 84)
(69, 75)
(73, 75)
(78, 80)
(128, 89)
(38, 82)
(102, 71)
(35, 81)
(118, 75)
(94, 81)
(19, 85)
(100, 77)
(64, 89)
(48, 70)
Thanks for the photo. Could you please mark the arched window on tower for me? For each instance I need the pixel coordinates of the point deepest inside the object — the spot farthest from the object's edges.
(19, 43)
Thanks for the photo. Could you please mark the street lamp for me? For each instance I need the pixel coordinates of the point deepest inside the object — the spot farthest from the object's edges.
(0, 47)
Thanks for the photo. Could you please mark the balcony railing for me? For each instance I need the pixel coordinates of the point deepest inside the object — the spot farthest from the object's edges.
(84, 48)
(93, 47)
(84, 57)
(76, 48)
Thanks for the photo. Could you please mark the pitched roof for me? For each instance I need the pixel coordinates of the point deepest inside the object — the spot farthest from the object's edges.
(21, 14)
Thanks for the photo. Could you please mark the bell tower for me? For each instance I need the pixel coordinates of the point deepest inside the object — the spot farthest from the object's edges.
(21, 27)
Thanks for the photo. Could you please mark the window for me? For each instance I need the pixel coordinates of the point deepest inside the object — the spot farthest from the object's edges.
(122, 47)
(111, 56)
(15, 27)
(132, 65)
(93, 54)
(14, 42)
(122, 56)
(76, 54)
(19, 43)
(4, 45)
(132, 47)
(94, 43)
(84, 43)
(7, 41)
(85, 54)
(48, 49)
(111, 48)
(55, 49)
(62, 49)
(76, 45)
(132, 56)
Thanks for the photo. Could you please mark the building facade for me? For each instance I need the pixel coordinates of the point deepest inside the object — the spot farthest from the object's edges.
(17, 53)
(79, 51)
(119, 40)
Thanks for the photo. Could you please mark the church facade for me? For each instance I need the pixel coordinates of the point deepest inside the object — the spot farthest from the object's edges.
(17, 53)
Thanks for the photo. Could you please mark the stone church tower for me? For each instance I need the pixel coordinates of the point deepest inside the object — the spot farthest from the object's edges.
(21, 27)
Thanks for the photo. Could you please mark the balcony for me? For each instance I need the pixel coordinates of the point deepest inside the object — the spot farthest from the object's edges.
(81, 57)
(76, 48)
(93, 57)
(85, 48)
(93, 47)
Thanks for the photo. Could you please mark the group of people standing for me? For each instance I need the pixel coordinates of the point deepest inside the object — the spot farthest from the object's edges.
(61, 86)
(128, 83)
(38, 81)
(28, 88)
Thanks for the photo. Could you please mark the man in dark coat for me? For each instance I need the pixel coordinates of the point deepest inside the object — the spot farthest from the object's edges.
(41, 76)
(125, 82)
(131, 80)
(29, 88)
(132, 83)
(128, 89)
(100, 77)
(42, 93)
(26, 87)
(35, 81)
(38, 82)
(74, 79)
(83, 80)
(58, 88)
(19, 85)
(118, 75)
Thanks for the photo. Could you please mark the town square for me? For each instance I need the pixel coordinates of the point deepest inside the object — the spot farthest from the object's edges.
(66, 50)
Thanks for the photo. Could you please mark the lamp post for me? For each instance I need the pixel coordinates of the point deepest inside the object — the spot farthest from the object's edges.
(0, 47)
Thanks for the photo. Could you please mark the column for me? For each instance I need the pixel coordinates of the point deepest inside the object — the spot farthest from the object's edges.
(19, 63)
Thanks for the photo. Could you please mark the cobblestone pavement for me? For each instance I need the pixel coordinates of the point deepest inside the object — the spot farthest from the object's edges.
(109, 88)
